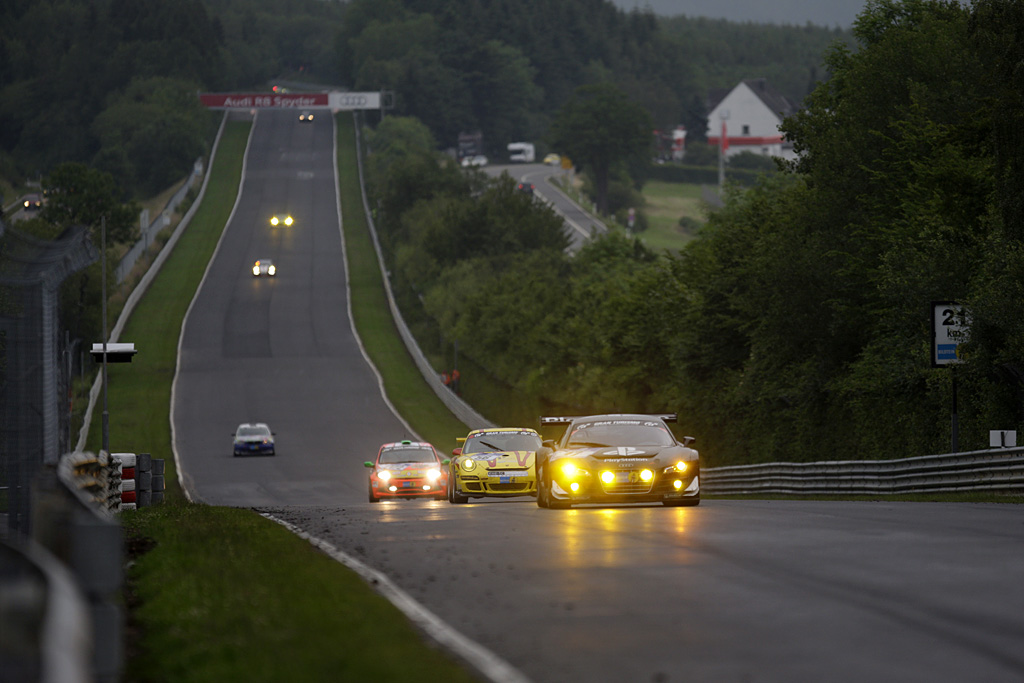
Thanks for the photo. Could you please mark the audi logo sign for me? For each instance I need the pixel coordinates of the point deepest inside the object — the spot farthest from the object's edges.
(347, 101)
(337, 101)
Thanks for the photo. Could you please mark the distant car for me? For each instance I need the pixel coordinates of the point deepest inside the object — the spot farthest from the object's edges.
(306, 117)
(32, 202)
(254, 439)
(477, 160)
(281, 219)
(498, 462)
(552, 160)
(628, 458)
(407, 469)
(264, 266)
(525, 188)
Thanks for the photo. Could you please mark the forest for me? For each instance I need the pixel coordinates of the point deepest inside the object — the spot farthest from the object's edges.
(113, 82)
(797, 327)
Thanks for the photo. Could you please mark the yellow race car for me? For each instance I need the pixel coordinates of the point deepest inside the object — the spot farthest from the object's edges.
(498, 462)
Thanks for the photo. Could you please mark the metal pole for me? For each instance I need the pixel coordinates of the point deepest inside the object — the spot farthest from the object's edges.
(103, 288)
(955, 418)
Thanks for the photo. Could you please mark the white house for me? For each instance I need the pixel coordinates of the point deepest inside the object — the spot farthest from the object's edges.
(748, 117)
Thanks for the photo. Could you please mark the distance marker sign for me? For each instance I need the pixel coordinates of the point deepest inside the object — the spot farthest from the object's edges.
(950, 330)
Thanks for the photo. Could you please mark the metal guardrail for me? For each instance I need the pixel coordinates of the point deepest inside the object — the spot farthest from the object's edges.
(994, 470)
(459, 408)
(148, 233)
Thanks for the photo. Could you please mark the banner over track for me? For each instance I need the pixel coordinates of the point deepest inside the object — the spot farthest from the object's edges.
(336, 101)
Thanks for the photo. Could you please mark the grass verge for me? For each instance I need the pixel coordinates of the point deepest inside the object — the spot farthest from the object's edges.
(204, 601)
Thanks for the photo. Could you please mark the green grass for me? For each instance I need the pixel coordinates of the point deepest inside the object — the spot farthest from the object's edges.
(665, 204)
(405, 386)
(214, 607)
(205, 603)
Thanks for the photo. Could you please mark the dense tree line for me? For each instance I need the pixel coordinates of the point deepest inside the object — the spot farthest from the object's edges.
(113, 83)
(798, 326)
(505, 67)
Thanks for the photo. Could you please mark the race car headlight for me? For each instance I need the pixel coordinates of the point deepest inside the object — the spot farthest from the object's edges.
(433, 474)
(607, 476)
(288, 220)
(570, 469)
(384, 475)
(271, 270)
(468, 465)
(274, 220)
(646, 475)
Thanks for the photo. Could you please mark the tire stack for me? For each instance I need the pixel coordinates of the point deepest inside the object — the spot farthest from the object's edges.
(142, 479)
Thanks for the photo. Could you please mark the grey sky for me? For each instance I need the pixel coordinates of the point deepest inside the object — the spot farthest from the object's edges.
(828, 13)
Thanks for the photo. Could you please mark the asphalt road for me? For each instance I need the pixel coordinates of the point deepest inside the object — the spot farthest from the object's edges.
(279, 350)
(579, 224)
(728, 591)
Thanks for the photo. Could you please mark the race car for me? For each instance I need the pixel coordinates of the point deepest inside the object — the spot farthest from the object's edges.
(264, 266)
(253, 439)
(306, 117)
(495, 462)
(407, 469)
(281, 219)
(630, 458)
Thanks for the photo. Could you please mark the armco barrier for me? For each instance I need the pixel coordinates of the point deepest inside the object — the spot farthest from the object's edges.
(72, 518)
(994, 470)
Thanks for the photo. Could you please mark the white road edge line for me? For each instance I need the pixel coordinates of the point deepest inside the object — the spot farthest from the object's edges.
(482, 660)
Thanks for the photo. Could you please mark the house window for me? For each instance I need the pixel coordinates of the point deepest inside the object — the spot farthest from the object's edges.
(746, 130)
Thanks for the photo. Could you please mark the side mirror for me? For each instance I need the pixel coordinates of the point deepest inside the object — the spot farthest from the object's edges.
(446, 461)
(457, 451)
(687, 440)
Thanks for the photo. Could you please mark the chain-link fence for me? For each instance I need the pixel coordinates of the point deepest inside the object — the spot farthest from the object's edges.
(34, 360)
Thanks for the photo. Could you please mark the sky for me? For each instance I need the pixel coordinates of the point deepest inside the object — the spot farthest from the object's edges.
(829, 13)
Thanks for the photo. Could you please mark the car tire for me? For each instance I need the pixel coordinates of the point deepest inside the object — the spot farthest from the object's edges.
(373, 498)
(543, 493)
(454, 497)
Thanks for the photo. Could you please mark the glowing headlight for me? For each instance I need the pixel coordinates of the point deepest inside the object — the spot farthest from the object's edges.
(607, 477)
(274, 220)
(574, 487)
(569, 469)
(271, 270)
(680, 466)
(288, 220)
(433, 474)
(646, 475)
(468, 464)
(677, 484)
(256, 269)
(384, 475)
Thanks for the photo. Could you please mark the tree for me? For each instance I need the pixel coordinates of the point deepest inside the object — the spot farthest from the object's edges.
(79, 195)
(599, 128)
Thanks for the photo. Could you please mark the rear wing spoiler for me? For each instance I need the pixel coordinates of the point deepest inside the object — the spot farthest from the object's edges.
(564, 420)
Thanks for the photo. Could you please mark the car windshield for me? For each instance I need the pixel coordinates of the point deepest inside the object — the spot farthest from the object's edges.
(620, 433)
(253, 431)
(490, 442)
(409, 454)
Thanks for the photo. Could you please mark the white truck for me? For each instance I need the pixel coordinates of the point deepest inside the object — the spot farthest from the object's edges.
(521, 151)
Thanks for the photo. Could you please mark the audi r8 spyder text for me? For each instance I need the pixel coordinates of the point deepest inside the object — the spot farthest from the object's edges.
(497, 462)
(617, 459)
(253, 439)
(407, 469)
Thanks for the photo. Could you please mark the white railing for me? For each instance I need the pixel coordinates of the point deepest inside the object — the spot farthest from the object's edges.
(994, 470)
